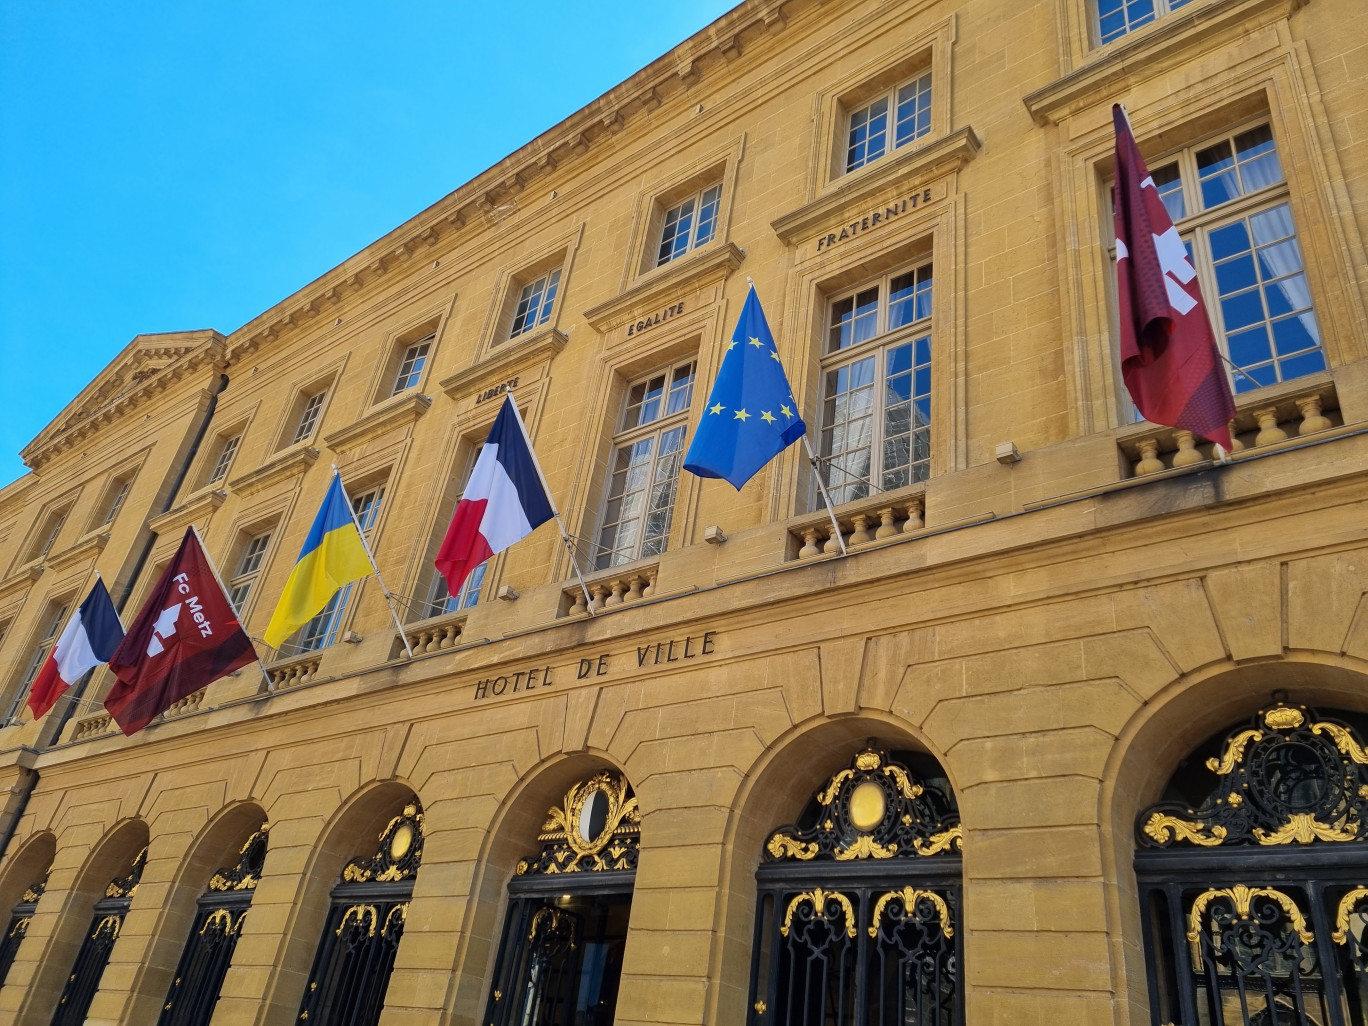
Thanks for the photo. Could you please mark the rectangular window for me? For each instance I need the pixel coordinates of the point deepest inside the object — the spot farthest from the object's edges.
(1228, 200)
(411, 366)
(689, 225)
(118, 492)
(876, 393)
(869, 130)
(227, 450)
(308, 417)
(535, 303)
(248, 569)
(1117, 17)
(51, 630)
(47, 534)
(321, 631)
(439, 600)
(648, 451)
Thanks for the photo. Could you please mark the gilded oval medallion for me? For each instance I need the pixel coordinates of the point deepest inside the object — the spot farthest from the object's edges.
(401, 842)
(867, 806)
(593, 816)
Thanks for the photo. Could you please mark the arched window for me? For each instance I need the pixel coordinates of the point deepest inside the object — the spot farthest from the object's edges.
(1251, 873)
(859, 902)
(18, 925)
(213, 935)
(355, 957)
(560, 960)
(91, 960)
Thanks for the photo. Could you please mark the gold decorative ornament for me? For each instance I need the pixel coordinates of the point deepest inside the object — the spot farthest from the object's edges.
(906, 785)
(1344, 741)
(114, 925)
(783, 846)
(1303, 828)
(865, 847)
(221, 916)
(399, 853)
(909, 896)
(1283, 717)
(20, 927)
(1234, 752)
(1346, 906)
(867, 806)
(944, 841)
(1164, 828)
(760, 1008)
(1240, 896)
(401, 841)
(868, 760)
(399, 912)
(566, 846)
(360, 913)
(834, 784)
(819, 899)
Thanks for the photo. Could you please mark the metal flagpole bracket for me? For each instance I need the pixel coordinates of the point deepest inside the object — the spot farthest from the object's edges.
(826, 499)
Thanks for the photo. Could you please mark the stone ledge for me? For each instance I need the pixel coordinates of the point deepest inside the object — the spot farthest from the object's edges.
(290, 463)
(948, 153)
(21, 578)
(1145, 53)
(87, 546)
(541, 344)
(188, 511)
(689, 272)
(401, 410)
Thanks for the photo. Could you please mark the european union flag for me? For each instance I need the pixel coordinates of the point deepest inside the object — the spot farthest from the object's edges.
(751, 416)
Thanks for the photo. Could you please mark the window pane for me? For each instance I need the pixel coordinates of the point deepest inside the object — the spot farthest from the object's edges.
(1169, 182)
(707, 215)
(868, 134)
(1258, 158)
(914, 110)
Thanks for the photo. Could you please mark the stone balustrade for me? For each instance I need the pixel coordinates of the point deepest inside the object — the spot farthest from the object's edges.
(92, 726)
(432, 635)
(611, 591)
(1291, 414)
(881, 518)
(188, 704)
(293, 672)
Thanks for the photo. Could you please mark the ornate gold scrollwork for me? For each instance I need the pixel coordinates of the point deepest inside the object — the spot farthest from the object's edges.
(1163, 828)
(1344, 741)
(943, 841)
(1303, 828)
(20, 927)
(241, 875)
(566, 819)
(399, 853)
(399, 911)
(114, 923)
(1234, 752)
(909, 896)
(221, 916)
(360, 913)
(828, 794)
(127, 886)
(566, 849)
(1346, 906)
(865, 847)
(906, 785)
(819, 899)
(781, 845)
(1240, 897)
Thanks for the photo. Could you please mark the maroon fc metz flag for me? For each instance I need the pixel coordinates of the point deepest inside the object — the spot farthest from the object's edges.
(186, 636)
(1169, 358)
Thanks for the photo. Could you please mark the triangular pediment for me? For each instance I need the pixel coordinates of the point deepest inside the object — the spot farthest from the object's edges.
(120, 384)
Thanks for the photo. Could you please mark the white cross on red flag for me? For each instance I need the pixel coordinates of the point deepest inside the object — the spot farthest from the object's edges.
(1169, 358)
(185, 636)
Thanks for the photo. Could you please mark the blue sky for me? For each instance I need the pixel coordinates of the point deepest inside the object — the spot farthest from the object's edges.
(166, 166)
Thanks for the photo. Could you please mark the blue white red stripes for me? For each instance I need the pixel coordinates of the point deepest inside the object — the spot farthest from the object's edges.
(89, 639)
(503, 502)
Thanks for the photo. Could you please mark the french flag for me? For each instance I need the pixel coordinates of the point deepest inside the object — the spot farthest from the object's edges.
(502, 503)
(90, 638)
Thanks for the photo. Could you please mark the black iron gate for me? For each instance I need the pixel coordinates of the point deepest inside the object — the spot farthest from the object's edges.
(18, 925)
(91, 960)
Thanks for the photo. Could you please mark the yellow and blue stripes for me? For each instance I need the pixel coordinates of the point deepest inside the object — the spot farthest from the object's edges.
(332, 556)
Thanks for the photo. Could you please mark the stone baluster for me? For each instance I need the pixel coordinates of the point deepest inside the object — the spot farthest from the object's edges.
(598, 593)
(1187, 453)
(1312, 418)
(634, 585)
(833, 542)
(577, 606)
(650, 588)
(809, 548)
(886, 528)
(453, 634)
(615, 599)
(860, 535)
(1149, 463)
(1269, 432)
(914, 521)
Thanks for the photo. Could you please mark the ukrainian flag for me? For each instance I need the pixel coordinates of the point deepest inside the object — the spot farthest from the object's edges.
(333, 555)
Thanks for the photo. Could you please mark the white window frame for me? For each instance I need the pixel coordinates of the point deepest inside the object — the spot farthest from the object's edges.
(309, 416)
(892, 102)
(223, 462)
(321, 632)
(247, 571)
(698, 231)
(1132, 16)
(411, 364)
(536, 300)
(839, 459)
(1196, 227)
(40, 653)
(439, 600)
(664, 424)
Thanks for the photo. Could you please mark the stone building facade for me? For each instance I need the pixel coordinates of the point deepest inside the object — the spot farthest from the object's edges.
(954, 774)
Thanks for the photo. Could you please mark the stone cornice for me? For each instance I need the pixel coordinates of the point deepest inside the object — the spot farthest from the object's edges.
(685, 274)
(536, 346)
(21, 579)
(392, 413)
(1171, 40)
(88, 415)
(290, 463)
(86, 547)
(923, 163)
(476, 204)
(188, 511)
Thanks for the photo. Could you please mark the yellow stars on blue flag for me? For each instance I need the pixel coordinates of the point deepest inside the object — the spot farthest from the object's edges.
(751, 378)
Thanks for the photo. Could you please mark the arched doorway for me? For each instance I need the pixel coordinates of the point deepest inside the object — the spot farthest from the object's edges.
(1251, 872)
(560, 958)
(20, 917)
(214, 933)
(859, 910)
(366, 914)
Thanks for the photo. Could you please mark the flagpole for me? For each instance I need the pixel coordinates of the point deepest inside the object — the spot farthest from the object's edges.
(826, 499)
(214, 570)
(389, 599)
(77, 690)
(565, 537)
